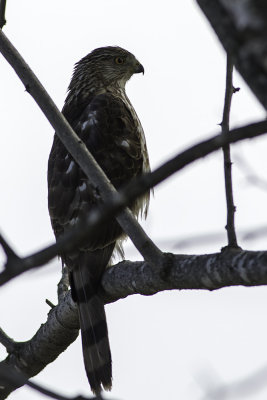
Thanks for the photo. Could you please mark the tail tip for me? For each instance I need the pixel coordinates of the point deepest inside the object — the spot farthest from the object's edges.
(100, 379)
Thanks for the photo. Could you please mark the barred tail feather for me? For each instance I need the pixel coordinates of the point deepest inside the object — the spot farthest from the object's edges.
(94, 331)
(96, 349)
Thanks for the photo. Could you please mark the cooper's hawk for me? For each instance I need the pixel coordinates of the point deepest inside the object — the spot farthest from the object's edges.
(101, 114)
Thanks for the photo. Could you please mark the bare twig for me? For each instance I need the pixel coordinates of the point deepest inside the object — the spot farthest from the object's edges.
(12, 378)
(78, 150)
(2, 13)
(230, 226)
(10, 253)
(7, 342)
(58, 396)
(49, 303)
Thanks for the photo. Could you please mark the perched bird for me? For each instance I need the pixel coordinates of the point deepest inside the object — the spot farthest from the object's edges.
(101, 114)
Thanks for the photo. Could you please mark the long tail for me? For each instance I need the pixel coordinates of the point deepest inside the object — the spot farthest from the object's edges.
(85, 278)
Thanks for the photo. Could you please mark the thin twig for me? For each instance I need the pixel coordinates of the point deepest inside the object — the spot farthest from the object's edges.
(2, 13)
(7, 342)
(78, 150)
(230, 226)
(12, 259)
(58, 396)
(82, 230)
(7, 248)
(49, 303)
(13, 378)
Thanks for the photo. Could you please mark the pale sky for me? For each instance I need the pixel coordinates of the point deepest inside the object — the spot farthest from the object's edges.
(173, 345)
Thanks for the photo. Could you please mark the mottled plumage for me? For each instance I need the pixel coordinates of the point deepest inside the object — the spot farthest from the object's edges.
(101, 114)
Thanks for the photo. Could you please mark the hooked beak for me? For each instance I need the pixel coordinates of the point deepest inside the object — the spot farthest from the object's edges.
(139, 68)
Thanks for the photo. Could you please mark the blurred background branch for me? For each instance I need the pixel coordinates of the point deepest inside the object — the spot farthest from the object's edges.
(245, 387)
(12, 378)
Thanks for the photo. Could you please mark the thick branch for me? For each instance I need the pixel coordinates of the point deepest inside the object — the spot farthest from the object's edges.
(78, 150)
(60, 330)
(211, 271)
(230, 226)
(242, 29)
(231, 267)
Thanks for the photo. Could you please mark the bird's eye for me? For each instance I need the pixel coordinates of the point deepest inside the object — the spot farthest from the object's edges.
(119, 60)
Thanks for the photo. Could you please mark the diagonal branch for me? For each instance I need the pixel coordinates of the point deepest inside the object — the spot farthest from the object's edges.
(52, 338)
(78, 149)
(230, 226)
(124, 197)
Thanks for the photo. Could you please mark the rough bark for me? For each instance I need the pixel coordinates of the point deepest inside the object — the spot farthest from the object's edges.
(207, 272)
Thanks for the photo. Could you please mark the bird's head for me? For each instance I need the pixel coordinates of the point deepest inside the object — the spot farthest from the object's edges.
(110, 66)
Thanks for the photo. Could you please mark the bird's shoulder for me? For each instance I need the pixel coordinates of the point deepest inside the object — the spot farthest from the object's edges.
(109, 103)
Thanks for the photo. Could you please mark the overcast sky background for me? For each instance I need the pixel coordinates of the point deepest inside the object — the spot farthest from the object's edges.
(173, 345)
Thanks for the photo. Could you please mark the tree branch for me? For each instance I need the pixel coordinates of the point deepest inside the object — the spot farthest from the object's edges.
(242, 28)
(10, 253)
(52, 338)
(244, 387)
(230, 226)
(2, 13)
(7, 342)
(208, 272)
(13, 378)
(58, 396)
(78, 150)
(231, 267)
